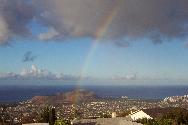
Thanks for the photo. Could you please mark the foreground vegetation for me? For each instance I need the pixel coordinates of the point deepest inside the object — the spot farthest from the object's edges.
(177, 116)
(173, 116)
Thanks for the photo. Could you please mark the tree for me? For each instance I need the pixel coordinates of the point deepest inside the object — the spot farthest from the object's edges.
(52, 116)
(61, 122)
(45, 115)
(48, 115)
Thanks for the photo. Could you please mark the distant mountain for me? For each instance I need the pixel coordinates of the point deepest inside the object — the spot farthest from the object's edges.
(72, 97)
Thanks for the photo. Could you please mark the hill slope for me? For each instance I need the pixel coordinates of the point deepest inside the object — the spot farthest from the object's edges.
(75, 96)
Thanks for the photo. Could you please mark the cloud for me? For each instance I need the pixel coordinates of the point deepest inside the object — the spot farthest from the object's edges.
(14, 17)
(126, 77)
(29, 57)
(4, 31)
(69, 77)
(35, 73)
(134, 19)
(49, 35)
(104, 19)
(9, 75)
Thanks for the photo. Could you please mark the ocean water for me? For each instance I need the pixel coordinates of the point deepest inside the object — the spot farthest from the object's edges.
(21, 93)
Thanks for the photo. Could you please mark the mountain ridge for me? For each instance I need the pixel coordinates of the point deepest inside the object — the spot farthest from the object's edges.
(75, 96)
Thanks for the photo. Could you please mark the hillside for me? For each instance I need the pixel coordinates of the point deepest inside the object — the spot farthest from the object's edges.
(75, 96)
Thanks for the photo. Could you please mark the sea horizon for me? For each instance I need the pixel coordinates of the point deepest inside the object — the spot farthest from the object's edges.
(18, 93)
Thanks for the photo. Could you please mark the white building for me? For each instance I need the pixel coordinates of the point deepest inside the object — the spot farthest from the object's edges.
(36, 124)
(139, 115)
(104, 121)
(114, 115)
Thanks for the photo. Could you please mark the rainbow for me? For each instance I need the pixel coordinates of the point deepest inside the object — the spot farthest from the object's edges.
(100, 33)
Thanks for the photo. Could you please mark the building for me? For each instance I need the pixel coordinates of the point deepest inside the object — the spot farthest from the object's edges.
(114, 114)
(139, 114)
(36, 124)
(105, 121)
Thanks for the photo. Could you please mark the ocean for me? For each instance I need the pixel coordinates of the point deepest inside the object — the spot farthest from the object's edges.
(22, 93)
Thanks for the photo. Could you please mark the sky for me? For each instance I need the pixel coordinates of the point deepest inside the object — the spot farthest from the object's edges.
(102, 42)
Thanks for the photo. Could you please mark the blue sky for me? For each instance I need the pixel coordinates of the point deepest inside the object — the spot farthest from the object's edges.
(146, 60)
(118, 41)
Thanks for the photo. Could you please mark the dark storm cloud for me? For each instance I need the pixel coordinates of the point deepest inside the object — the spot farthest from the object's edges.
(154, 19)
(109, 19)
(29, 57)
(14, 17)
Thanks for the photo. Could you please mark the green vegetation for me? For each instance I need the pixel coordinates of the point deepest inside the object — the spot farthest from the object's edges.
(45, 115)
(176, 116)
(48, 116)
(124, 113)
(155, 122)
(61, 122)
(105, 115)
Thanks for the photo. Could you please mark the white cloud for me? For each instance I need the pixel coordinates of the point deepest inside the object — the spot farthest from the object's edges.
(50, 34)
(126, 77)
(8, 75)
(36, 73)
